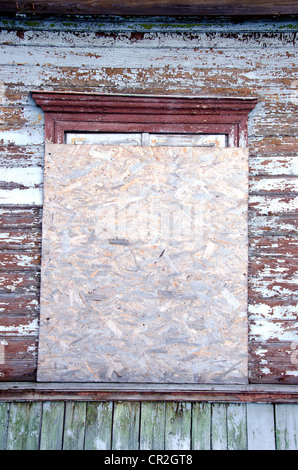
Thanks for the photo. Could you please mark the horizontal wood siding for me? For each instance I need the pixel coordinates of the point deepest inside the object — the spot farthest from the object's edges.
(252, 58)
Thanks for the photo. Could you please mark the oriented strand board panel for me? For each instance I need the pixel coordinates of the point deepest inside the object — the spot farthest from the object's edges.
(144, 265)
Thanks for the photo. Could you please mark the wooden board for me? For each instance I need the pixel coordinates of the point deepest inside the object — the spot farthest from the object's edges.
(24, 426)
(260, 427)
(144, 271)
(51, 431)
(153, 7)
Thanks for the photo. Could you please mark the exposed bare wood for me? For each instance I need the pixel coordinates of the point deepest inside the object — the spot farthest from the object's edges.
(16, 303)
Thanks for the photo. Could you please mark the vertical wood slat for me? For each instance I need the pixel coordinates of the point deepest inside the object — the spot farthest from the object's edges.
(260, 426)
(74, 427)
(51, 433)
(24, 426)
(4, 416)
(201, 426)
(125, 435)
(152, 428)
(219, 437)
(178, 426)
(98, 432)
(286, 419)
(236, 426)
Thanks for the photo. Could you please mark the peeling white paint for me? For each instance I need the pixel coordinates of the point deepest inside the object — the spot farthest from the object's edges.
(31, 196)
(280, 205)
(26, 176)
(275, 312)
(267, 330)
(268, 289)
(22, 330)
(24, 136)
(274, 166)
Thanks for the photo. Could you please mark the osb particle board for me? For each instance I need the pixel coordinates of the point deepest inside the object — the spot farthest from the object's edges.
(144, 265)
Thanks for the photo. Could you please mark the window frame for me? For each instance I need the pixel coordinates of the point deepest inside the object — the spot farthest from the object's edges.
(100, 112)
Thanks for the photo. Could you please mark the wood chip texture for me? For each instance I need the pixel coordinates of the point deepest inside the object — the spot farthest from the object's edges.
(144, 265)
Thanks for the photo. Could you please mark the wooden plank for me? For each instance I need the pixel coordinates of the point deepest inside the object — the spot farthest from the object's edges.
(279, 352)
(271, 85)
(272, 225)
(219, 436)
(4, 416)
(20, 281)
(273, 373)
(260, 427)
(272, 288)
(271, 146)
(98, 432)
(18, 326)
(273, 362)
(131, 393)
(201, 426)
(20, 217)
(266, 330)
(270, 267)
(269, 165)
(275, 184)
(236, 426)
(160, 35)
(155, 7)
(21, 155)
(270, 246)
(152, 430)
(178, 425)
(19, 349)
(125, 434)
(18, 371)
(20, 239)
(24, 426)
(51, 433)
(74, 426)
(274, 309)
(286, 422)
(20, 260)
(226, 58)
(273, 205)
(157, 24)
(18, 303)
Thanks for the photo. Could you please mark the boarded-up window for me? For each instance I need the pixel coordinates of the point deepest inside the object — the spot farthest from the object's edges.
(144, 264)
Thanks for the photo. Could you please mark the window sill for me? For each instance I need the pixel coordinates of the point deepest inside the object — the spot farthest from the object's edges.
(251, 393)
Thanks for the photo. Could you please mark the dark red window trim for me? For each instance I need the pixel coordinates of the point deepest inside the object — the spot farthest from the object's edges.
(95, 112)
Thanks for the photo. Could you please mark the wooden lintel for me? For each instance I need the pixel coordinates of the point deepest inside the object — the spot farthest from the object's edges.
(29, 391)
(67, 111)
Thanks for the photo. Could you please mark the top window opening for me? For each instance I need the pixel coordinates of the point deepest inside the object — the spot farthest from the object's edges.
(147, 139)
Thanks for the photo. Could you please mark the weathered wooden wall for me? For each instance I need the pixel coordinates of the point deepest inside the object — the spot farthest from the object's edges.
(147, 426)
(161, 56)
